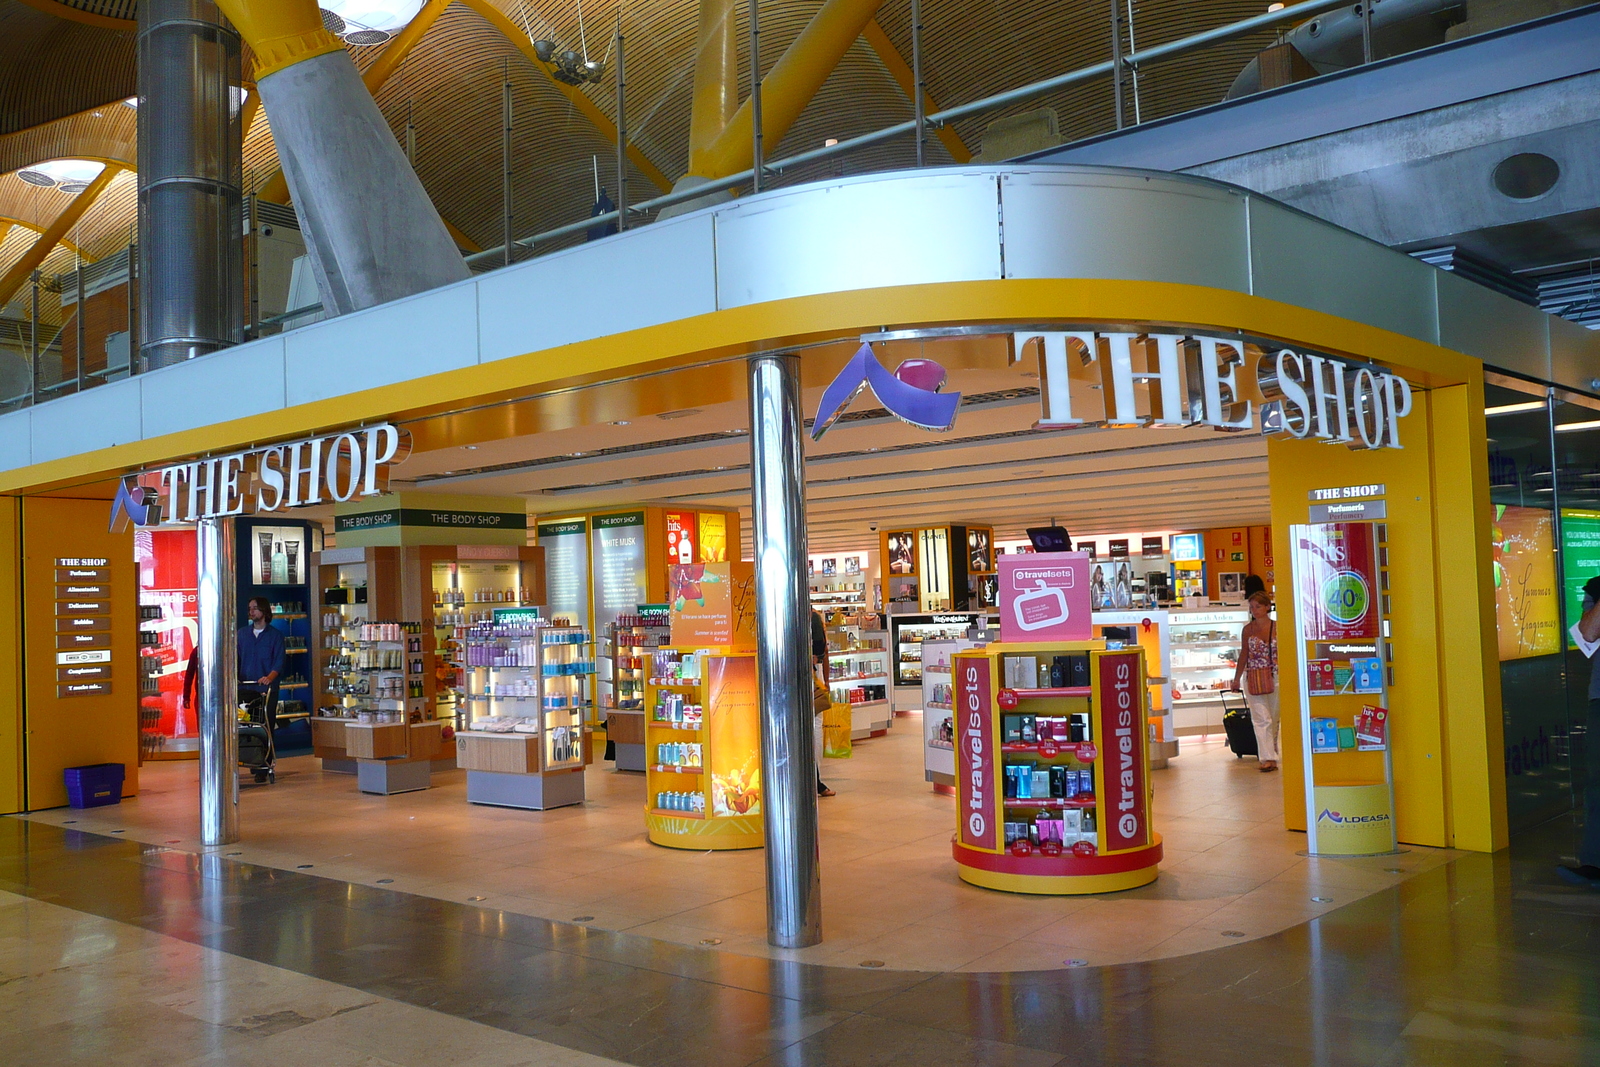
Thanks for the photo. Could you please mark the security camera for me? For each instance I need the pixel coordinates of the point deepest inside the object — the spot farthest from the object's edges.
(872, 526)
(266, 231)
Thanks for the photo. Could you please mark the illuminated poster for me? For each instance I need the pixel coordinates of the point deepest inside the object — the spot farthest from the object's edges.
(681, 533)
(1186, 547)
(1580, 552)
(713, 605)
(733, 726)
(713, 537)
(619, 576)
(1337, 565)
(1527, 612)
(566, 566)
(277, 555)
(167, 581)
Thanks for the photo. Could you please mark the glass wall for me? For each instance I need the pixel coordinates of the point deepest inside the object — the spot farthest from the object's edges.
(1576, 426)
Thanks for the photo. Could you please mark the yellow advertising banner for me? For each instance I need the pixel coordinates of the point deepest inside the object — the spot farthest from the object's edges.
(733, 727)
(713, 605)
(713, 537)
(1354, 820)
(1526, 599)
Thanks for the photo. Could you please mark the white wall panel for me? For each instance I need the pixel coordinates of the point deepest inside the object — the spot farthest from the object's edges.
(95, 418)
(411, 338)
(640, 278)
(234, 383)
(862, 233)
(1072, 222)
(16, 439)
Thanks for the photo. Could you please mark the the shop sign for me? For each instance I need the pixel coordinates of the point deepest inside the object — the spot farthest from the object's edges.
(1194, 380)
(331, 468)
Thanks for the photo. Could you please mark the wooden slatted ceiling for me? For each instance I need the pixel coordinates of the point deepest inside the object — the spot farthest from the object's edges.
(51, 68)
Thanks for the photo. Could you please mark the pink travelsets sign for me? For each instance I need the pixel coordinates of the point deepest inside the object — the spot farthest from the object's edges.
(1045, 597)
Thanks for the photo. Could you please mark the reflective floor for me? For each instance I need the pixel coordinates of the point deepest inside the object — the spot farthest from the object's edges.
(890, 890)
(125, 953)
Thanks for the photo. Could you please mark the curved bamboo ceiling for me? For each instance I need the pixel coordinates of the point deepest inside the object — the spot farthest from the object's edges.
(64, 69)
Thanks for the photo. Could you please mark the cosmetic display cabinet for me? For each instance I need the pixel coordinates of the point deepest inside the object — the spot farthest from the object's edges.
(1052, 782)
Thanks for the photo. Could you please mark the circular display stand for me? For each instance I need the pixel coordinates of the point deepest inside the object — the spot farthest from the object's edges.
(1063, 875)
(724, 833)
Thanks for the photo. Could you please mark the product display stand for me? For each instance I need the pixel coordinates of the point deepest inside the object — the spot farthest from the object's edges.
(1203, 645)
(859, 677)
(1340, 578)
(938, 713)
(630, 642)
(702, 734)
(377, 675)
(1052, 782)
(526, 704)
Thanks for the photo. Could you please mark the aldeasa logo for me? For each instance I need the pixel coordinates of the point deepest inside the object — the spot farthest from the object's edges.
(130, 505)
(911, 393)
(1350, 820)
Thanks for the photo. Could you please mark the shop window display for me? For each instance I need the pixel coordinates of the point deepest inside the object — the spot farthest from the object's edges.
(168, 726)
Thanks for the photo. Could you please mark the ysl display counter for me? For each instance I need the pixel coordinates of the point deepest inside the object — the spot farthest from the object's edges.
(1052, 779)
(703, 750)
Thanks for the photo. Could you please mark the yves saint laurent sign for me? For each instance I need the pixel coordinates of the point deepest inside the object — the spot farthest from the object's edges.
(1155, 379)
(316, 470)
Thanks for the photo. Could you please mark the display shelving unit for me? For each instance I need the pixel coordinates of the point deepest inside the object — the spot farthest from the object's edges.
(860, 677)
(630, 643)
(833, 592)
(526, 700)
(1202, 646)
(377, 678)
(702, 775)
(938, 712)
(1053, 835)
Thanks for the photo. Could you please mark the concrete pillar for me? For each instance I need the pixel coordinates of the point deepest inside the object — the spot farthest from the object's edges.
(783, 635)
(191, 248)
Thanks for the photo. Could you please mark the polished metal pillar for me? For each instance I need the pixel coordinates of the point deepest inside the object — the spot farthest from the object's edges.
(783, 617)
(218, 688)
(191, 248)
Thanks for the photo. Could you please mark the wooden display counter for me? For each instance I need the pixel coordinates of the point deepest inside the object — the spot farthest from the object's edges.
(625, 730)
(1053, 785)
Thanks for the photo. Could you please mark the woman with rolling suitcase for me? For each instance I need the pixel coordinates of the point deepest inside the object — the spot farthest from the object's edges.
(1257, 665)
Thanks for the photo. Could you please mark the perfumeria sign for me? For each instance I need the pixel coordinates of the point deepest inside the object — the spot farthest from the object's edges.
(329, 468)
(1193, 379)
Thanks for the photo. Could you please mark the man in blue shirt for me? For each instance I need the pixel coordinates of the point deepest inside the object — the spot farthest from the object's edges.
(1587, 872)
(261, 658)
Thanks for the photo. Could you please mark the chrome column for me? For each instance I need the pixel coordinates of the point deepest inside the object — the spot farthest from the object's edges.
(217, 691)
(191, 164)
(783, 659)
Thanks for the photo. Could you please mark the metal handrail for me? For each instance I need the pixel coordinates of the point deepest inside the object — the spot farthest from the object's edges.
(1242, 28)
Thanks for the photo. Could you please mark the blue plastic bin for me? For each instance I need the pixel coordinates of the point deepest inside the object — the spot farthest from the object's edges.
(94, 786)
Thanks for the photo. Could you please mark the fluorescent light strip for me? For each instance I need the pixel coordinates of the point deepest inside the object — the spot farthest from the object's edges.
(1512, 409)
(1572, 426)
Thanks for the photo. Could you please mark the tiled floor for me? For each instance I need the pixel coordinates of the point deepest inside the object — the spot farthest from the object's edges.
(890, 891)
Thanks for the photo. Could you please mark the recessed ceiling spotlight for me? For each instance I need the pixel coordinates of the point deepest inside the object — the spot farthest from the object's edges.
(682, 413)
(574, 455)
(620, 422)
(470, 448)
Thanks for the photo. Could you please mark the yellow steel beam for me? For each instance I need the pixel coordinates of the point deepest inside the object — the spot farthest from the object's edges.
(6, 222)
(280, 33)
(900, 71)
(53, 234)
(716, 79)
(790, 85)
(463, 242)
(586, 107)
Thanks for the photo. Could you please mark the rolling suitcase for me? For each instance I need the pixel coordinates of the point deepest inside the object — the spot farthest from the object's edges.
(1236, 722)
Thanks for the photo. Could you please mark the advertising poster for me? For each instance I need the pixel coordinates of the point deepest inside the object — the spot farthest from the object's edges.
(712, 605)
(1045, 597)
(566, 564)
(1367, 674)
(1186, 548)
(619, 568)
(1319, 678)
(1372, 729)
(166, 562)
(277, 555)
(733, 725)
(1119, 700)
(713, 537)
(1324, 736)
(681, 532)
(902, 552)
(1337, 565)
(1117, 549)
(976, 755)
(979, 559)
(1580, 554)
(1527, 610)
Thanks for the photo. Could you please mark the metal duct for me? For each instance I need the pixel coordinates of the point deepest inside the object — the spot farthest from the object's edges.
(191, 251)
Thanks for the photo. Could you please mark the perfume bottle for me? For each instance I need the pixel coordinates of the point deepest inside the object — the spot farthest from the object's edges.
(280, 564)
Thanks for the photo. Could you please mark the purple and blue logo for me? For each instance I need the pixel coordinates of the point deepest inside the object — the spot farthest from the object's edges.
(132, 504)
(911, 393)
(1334, 817)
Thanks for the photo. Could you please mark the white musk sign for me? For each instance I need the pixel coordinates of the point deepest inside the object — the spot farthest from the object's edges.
(1194, 380)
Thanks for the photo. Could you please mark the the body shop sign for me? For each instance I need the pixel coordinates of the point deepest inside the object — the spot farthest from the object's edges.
(975, 755)
(1045, 597)
(1337, 567)
(1121, 735)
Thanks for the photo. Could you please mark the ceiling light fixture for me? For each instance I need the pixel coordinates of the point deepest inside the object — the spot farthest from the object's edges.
(620, 422)
(571, 68)
(1512, 409)
(1572, 426)
(470, 448)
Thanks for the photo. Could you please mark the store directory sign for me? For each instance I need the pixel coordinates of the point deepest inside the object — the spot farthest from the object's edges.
(566, 561)
(1045, 597)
